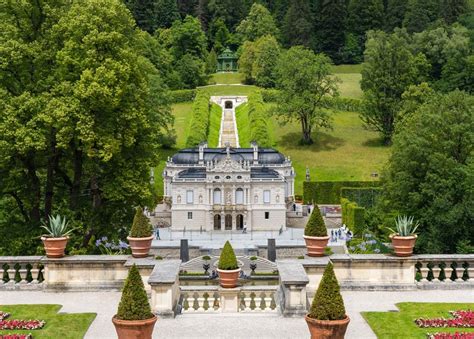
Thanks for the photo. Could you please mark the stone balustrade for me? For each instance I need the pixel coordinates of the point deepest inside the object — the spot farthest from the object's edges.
(21, 272)
(444, 271)
(214, 299)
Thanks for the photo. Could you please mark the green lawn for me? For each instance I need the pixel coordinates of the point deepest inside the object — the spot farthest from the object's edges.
(401, 324)
(350, 85)
(346, 68)
(182, 113)
(226, 78)
(62, 325)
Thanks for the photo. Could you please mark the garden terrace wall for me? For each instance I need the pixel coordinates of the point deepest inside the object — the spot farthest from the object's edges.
(329, 192)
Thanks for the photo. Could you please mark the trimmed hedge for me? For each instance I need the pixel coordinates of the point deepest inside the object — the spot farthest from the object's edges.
(228, 260)
(315, 226)
(363, 196)
(353, 216)
(258, 118)
(329, 192)
(182, 95)
(199, 123)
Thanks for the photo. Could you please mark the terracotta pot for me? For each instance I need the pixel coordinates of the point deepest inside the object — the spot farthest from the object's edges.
(330, 329)
(403, 246)
(54, 247)
(228, 278)
(140, 246)
(134, 329)
(316, 245)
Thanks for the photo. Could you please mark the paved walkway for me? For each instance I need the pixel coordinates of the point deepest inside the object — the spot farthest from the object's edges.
(228, 131)
(230, 326)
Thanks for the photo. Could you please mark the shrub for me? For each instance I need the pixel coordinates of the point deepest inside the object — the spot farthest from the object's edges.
(363, 196)
(270, 95)
(353, 216)
(227, 260)
(134, 303)
(182, 95)
(258, 118)
(199, 122)
(141, 227)
(315, 226)
(329, 192)
(327, 303)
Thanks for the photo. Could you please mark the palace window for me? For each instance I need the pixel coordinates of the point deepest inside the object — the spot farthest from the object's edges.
(267, 215)
(189, 197)
(239, 196)
(190, 215)
(217, 196)
(266, 197)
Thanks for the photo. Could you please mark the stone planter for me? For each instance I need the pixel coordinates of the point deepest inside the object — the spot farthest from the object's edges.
(54, 247)
(134, 329)
(327, 329)
(316, 245)
(228, 278)
(140, 246)
(403, 246)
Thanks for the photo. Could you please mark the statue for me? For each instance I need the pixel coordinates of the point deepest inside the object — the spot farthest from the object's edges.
(228, 199)
(308, 178)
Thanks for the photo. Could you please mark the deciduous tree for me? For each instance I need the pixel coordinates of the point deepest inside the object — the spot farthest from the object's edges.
(259, 22)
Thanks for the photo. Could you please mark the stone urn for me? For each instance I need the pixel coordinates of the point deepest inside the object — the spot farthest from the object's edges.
(54, 247)
(228, 278)
(316, 245)
(327, 329)
(134, 329)
(403, 246)
(140, 246)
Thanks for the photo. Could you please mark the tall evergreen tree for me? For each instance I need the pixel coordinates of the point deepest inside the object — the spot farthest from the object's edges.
(298, 24)
(219, 35)
(330, 28)
(394, 14)
(166, 13)
(364, 15)
(452, 9)
(144, 12)
(420, 14)
(231, 11)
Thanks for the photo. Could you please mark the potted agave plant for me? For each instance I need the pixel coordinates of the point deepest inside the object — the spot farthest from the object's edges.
(141, 235)
(134, 319)
(327, 317)
(58, 234)
(404, 238)
(228, 267)
(315, 234)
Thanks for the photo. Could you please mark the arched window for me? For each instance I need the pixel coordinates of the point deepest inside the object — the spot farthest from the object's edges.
(239, 196)
(217, 198)
(217, 222)
(228, 222)
(239, 222)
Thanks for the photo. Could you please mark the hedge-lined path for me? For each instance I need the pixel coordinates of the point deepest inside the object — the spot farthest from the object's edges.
(230, 325)
(228, 132)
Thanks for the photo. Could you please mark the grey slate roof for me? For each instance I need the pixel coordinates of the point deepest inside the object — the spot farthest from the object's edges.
(193, 173)
(263, 173)
(266, 156)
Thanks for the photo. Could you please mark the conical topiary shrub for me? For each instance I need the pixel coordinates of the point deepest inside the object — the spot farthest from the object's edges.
(315, 226)
(327, 303)
(228, 260)
(141, 226)
(134, 303)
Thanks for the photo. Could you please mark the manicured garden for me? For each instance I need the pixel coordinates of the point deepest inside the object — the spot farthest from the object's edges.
(402, 324)
(56, 325)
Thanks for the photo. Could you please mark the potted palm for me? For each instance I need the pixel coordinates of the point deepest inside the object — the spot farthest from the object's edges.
(315, 234)
(327, 317)
(404, 238)
(141, 235)
(134, 318)
(58, 234)
(228, 267)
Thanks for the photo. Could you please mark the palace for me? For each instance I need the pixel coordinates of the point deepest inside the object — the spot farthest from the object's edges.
(228, 188)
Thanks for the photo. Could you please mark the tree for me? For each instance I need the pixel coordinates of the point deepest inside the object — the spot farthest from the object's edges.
(144, 12)
(166, 13)
(267, 52)
(187, 37)
(389, 68)
(82, 114)
(231, 11)
(394, 14)
(431, 172)
(259, 22)
(363, 16)
(330, 28)
(246, 60)
(304, 79)
(211, 62)
(298, 25)
(452, 9)
(420, 14)
(219, 35)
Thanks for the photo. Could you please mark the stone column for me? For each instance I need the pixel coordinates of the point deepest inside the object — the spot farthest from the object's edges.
(229, 299)
(164, 282)
(293, 281)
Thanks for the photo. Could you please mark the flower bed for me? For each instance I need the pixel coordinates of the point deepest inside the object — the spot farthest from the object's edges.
(460, 319)
(16, 336)
(21, 324)
(456, 335)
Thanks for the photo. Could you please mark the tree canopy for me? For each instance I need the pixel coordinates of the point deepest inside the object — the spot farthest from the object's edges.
(259, 22)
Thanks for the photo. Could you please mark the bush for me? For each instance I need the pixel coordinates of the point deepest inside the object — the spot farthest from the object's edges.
(329, 192)
(342, 104)
(134, 303)
(258, 118)
(227, 260)
(353, 216)
(141, 227)
(315, 226)
(363, 196)
(270, 95)
(327, 303)
(199, 122)
(182, 95)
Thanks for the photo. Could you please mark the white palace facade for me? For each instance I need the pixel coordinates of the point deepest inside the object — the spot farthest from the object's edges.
(212, 189)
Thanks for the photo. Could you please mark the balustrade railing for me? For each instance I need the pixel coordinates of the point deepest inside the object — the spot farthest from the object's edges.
(21, 272)
(258, 299)
(452, 268)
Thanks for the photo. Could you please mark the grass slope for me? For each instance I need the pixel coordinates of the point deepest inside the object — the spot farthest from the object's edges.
(214, 125)
(243, 125)
(230, 89)
(392, 325)
(64, 326)
(226, 78)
